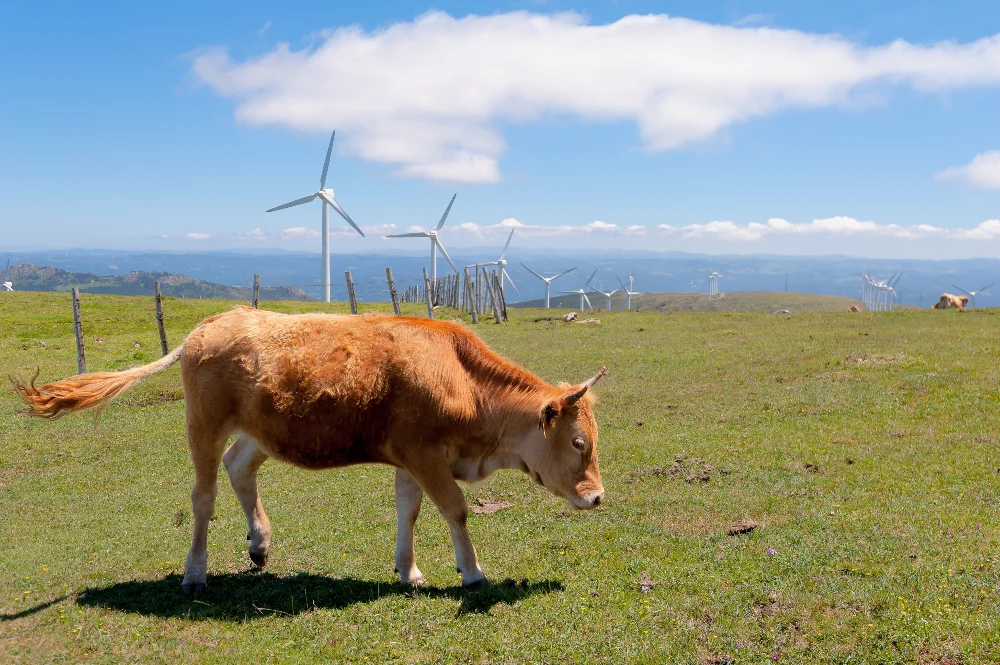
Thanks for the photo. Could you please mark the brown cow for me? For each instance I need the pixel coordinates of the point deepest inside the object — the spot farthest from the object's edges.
(854, 308)
(322, 391)
(948, 301)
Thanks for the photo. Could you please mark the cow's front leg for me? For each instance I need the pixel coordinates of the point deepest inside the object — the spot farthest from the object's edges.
(408, 499)
(242, 461)
(437, 481)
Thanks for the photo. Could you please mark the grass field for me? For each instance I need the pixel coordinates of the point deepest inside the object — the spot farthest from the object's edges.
(864, 446)
(738, 301)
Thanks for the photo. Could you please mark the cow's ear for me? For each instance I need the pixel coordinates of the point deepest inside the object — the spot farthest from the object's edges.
(548, 414)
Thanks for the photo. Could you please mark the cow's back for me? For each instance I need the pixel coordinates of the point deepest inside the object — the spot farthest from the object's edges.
(321, 390)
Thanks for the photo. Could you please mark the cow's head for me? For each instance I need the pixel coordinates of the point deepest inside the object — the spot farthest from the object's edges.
(563, 457)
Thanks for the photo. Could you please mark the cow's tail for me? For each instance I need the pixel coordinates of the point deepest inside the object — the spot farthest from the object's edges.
(86, 391)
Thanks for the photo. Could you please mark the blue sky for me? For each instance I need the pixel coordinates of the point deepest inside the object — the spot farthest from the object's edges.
(175, 125)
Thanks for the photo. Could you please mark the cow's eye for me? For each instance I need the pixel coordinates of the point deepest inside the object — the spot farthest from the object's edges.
(579, 444)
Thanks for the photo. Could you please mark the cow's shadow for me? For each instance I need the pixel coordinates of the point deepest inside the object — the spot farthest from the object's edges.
(242, 596)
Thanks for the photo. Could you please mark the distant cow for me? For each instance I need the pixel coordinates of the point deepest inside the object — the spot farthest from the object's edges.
(949, 301)
(854, 308)
(322, 391)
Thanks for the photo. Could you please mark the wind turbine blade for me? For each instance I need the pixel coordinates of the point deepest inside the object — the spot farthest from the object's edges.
(326, 164)
(621, 282)
(591, 277)
(979, 291)
(336, 206)
(296, 202)
(613, 292)
(421, 234)
(445, 253)
(504, 252)
(963, 290)
(587, 300)
(535, 273)
(510, 281)
(552, 279)
(445, 215)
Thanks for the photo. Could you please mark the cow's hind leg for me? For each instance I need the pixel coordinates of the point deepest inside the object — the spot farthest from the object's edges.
(437, 481)
(408, 499)
(242, 461)
(206, 445)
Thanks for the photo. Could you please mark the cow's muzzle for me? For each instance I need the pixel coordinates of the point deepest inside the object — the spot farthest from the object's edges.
(589, 501)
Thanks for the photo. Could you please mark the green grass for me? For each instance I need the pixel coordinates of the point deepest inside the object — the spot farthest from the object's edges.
(863, 445)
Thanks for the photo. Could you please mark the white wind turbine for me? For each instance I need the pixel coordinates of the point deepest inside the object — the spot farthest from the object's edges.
(583, 292)
(713, 283)
(628, 292)
(326, 196)
(435, 243)
(972, 294)
(6, 283)
(606, 294)
(548, 281)
(501, 263)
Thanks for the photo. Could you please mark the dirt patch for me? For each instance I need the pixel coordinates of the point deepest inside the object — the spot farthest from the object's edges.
(691, 469)
(741, 526)
(488, 506)
(874, 360)
(153, 399)
(646, 583)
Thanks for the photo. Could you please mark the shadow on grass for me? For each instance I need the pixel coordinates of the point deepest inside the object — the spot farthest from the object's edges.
(242, 596)
(31, 610)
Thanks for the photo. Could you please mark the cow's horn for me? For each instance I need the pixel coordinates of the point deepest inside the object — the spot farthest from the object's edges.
(575, 396)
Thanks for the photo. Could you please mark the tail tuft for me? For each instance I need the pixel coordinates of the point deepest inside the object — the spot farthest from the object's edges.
(85, 391)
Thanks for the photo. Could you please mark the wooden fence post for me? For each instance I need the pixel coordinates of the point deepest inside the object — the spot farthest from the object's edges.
(350, 292)
(427, 294)
(487, 282)
(159, 317)
(392, 291)
(468, 285)
(498, 285)
(81, 355)
(256, 290)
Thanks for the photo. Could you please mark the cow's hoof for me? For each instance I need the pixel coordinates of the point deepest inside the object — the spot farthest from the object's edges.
(478, 584)
(260, 560)
(416, 581)
(194, 588)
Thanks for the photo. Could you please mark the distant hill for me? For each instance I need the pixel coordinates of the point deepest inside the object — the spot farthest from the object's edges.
(741, 301)
(28, 277)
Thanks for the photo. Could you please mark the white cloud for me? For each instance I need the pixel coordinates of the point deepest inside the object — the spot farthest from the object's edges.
(262, 30)
(300, 232)
(297, 232)
(983, 171)
(429, 96)
(197, 236)
(841, 227)
(257, 234)
(988, 230)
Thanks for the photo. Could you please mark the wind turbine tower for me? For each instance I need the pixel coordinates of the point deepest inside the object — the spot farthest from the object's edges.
(326, 196)
(972, 294)
(583, 292)
(713, 283)
(629, 292)
(500, 263)
(436, 245)
(607, 295)
(548, 281)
